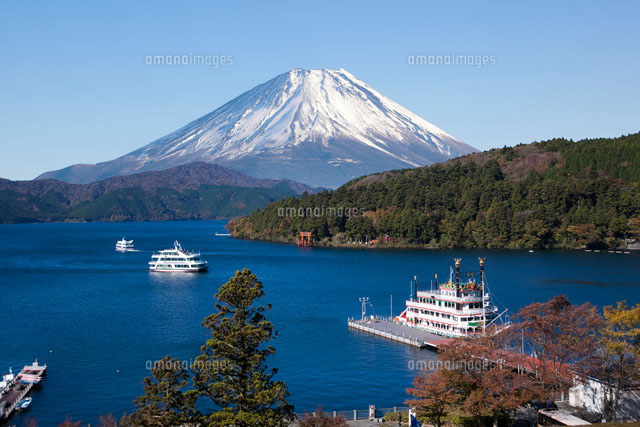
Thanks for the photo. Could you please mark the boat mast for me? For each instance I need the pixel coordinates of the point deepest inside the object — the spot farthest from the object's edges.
(484, 313)
(457, 261)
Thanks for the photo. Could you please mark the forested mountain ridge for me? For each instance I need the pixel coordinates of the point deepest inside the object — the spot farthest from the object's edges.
(555, 193)
(193, 191)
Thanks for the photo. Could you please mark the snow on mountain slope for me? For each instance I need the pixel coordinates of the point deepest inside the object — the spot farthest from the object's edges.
(320, 127)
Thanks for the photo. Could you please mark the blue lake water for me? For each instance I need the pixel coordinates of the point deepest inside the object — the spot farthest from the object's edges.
(97, 317)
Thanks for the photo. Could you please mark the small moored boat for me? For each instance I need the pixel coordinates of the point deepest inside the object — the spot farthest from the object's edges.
(24, 404)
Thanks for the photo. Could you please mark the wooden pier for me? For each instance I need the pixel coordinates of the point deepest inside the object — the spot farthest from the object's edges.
(386, 328)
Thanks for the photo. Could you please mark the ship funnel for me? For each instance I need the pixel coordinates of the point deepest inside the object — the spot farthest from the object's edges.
(415, 287)
(458, 293)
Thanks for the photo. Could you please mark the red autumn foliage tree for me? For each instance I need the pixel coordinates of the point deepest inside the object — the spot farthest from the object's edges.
(68, 422)
(107, 420)
(435, 395)
(553, 345)
(586, 234)
(487, 376)
(561, 337)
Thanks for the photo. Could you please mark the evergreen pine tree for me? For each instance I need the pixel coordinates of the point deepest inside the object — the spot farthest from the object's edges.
(231, 370)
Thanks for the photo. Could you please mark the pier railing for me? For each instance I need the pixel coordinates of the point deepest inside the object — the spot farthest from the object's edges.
(359, 414)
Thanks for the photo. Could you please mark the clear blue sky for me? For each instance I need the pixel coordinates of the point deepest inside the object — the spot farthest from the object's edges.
(74, 86)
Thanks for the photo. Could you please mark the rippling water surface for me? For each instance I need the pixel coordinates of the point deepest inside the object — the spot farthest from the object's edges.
(97, 317)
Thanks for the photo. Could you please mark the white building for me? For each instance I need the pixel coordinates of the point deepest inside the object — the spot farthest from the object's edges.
(590, 393)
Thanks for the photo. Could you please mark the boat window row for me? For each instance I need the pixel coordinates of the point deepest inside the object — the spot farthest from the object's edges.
(430, 300)
(452, 331)
(432, 313)
(173, 266)
(445, 315)
(449, 304)
(439, 303)
(189, 262)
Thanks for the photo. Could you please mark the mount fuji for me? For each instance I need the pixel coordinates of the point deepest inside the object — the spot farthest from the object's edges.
(320, 127)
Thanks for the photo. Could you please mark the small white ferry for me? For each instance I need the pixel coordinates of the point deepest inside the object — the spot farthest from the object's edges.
(453, 308)
(177, 260)
(124, 245)
(7, 382)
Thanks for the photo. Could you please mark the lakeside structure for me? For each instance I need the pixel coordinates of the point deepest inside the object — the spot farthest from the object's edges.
(590, 393)
(16, 387)
(388, 328)
(433, 317)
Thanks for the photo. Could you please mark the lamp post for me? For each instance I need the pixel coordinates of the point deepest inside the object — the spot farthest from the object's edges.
(364, 301)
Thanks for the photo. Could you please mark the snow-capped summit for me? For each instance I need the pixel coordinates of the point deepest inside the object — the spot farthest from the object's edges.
(320, 127)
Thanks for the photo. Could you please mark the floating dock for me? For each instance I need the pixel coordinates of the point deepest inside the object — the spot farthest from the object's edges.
(19, 386)
(386, 328)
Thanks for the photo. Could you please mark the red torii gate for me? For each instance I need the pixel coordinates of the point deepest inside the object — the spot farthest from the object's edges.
(305, 239)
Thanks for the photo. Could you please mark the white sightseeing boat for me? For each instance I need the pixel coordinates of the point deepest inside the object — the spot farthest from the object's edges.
(453, 308)
(7, 382)
(177, 260)
(124, 245)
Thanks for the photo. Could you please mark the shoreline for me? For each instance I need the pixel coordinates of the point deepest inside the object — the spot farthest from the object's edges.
(390, 247)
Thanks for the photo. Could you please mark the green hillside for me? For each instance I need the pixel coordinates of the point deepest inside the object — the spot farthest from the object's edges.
(556, 193)
(137, 204)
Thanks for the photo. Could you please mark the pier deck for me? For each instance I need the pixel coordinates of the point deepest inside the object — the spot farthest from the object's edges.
(398, 332)
(10, 399)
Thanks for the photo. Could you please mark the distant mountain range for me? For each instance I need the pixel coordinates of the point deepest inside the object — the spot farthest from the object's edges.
(320, 127)
(193, 191)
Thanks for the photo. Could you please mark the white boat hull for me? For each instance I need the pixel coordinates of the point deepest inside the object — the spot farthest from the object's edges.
(179, 270)
(177, 260)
